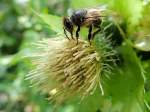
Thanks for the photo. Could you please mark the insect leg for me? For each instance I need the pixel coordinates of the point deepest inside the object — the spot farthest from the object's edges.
(72, 35)
(90, 33)
(97, 31)
(77, 33)
(66, 33)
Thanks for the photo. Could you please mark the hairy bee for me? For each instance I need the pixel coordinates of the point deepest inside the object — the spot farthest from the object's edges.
(90, 18)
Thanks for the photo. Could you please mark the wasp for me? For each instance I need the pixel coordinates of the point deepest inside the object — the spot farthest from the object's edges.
(90, 18)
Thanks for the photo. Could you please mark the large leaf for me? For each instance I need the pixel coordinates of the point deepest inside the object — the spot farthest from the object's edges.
(126, 85)
(84, 3)
(143, 43)
(54, 22)
(130, 9)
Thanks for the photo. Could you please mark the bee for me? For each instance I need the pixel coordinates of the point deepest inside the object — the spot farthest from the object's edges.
(90, 18)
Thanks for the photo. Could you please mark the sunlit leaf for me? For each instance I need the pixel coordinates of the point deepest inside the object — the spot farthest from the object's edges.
(143, 43)
(84, 3)
(126, 85)
(54, 22)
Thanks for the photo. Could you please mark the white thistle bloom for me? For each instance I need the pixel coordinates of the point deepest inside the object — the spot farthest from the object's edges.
(65, 68)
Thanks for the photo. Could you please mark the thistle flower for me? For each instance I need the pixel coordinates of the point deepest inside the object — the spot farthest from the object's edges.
(65, 69)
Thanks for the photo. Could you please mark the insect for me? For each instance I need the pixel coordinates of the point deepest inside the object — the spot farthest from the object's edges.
(90, 18)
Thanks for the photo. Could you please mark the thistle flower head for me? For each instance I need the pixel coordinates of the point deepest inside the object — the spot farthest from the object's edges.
(65, 68)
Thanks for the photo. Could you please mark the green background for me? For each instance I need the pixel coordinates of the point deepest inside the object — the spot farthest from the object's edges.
(23, 22)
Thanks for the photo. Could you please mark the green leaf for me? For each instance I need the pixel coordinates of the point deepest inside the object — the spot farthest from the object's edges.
(126, 85)
(54, 22)
(131, 10)
(84, 3)
(143, 43)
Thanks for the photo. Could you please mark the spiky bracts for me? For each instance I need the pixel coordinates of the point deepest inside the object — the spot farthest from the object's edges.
(65, 68)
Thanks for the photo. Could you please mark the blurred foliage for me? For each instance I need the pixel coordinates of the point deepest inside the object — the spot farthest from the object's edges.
(23, 22)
